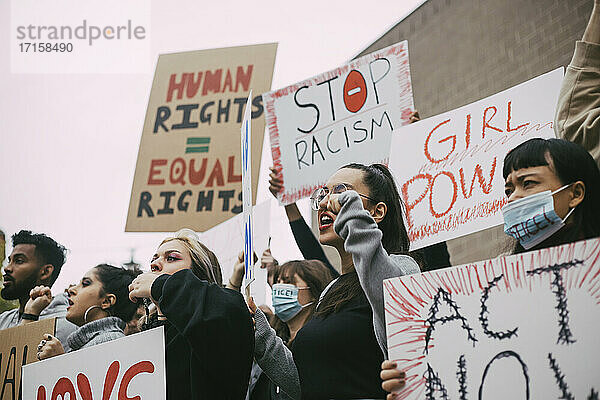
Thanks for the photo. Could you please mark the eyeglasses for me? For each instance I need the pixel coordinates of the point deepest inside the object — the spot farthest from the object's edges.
(319, 194)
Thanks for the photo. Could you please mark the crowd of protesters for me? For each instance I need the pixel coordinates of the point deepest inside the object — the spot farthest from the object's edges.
(325, 337)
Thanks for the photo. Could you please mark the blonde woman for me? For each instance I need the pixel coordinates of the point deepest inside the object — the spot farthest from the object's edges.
(208, 330)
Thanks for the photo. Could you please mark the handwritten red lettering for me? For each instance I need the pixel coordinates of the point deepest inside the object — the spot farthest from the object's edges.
(110, 379)
(154, 164)
(231, 176)
(426, 149)
(411, 205)
(62, 387)
(486, 122)
(135, 369)
(508, 128)
(197, 176)
(485, 187)
(214, 81)
(65, 386)
(454, 194)
(177, 172)
(216, 174)
(84, 387)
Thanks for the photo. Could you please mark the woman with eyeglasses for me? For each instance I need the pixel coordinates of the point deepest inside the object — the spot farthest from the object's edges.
(208, 330)
(303, 235)
(338, 352)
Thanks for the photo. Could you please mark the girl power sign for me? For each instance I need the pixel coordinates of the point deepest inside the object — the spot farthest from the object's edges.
(449, 167)
(517, 327)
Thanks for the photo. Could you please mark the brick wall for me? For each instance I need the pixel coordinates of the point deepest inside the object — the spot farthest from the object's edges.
(464, 50)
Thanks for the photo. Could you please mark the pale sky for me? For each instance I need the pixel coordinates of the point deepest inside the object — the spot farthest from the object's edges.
(69, 143)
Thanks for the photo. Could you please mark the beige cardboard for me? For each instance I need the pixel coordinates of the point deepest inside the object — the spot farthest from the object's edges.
(18, 347)
(165, 159)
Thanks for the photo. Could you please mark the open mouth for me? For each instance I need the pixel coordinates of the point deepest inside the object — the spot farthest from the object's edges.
(70, 303)
(325, 220)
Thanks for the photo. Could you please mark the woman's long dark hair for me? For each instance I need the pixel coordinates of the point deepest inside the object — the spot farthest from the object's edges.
(571, 163)
(116, 280)
(317, 277)
(379, 180)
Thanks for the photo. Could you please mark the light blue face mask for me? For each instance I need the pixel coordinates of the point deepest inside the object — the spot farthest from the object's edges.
(532, 219)
(285, 301)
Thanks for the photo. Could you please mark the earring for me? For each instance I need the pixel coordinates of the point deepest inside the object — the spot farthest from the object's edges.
(87, 311)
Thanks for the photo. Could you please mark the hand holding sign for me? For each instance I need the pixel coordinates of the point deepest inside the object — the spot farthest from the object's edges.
(50, 346)
(393, 379)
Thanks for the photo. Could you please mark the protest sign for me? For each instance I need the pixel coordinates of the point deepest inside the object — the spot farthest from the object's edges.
(188, 171)
(341, 116)
(18, 347)
(449, 167)
(132, 367)
(226, 240)
(246, 144)
(523, 326)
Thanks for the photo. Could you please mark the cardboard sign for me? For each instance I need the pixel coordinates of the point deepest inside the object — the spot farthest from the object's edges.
(227, 240)
(132, 367)
(341, 116)
(18, 347)
(188, 170)
(449, 167)
(516, 327)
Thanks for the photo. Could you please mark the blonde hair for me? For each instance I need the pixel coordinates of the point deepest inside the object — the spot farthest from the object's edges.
(205, 264)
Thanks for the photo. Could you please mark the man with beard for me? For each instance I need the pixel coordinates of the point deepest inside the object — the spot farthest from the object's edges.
(36, 260)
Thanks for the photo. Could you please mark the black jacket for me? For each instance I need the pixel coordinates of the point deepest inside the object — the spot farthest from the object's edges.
(209, 338)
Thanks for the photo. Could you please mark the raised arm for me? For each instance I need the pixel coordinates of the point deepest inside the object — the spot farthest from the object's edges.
(362, 239)
(578, 111)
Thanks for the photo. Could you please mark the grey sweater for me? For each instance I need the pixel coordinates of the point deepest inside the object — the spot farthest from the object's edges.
(372, 263)
(362, 239)
(275, 359)
(96, 332)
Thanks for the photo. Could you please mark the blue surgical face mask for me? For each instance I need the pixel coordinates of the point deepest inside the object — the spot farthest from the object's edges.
(532, 219)
(285, 301)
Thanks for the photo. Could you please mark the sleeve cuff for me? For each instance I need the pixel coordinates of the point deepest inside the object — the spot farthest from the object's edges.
(157, 286)
(586, 55)
(347, 196)
(349, 200)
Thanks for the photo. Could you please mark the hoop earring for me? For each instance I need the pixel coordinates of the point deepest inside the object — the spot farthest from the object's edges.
(87, 311)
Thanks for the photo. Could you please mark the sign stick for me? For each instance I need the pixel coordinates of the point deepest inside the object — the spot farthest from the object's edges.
(247, 194)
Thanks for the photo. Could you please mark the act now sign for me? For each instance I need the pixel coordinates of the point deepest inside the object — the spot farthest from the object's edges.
(523, 326)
